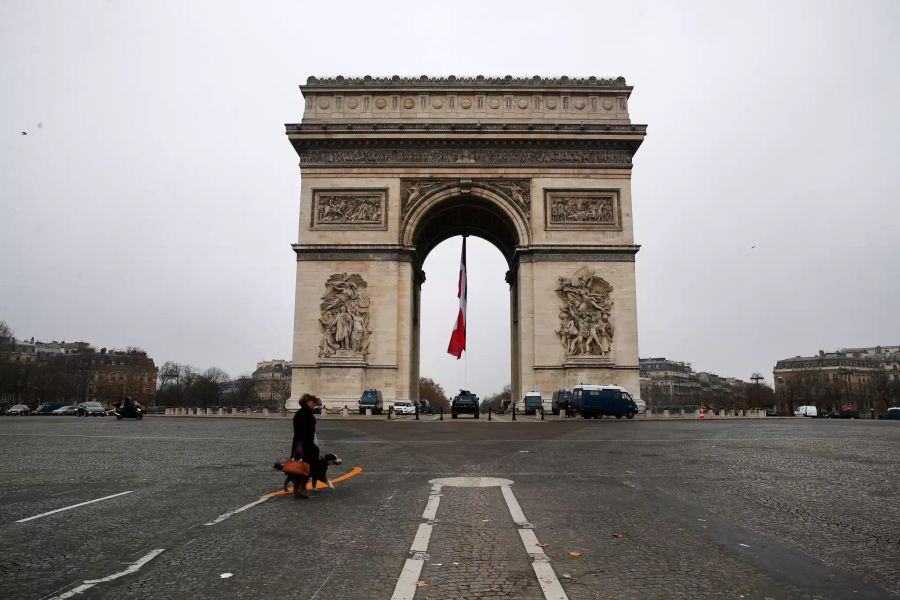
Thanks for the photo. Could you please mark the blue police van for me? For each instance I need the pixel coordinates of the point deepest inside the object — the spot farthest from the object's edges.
(598, 401)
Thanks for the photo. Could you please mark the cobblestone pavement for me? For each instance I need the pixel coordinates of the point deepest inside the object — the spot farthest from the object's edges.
(776, 509)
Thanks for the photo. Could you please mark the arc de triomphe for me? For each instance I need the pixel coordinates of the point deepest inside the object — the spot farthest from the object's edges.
(390, 167)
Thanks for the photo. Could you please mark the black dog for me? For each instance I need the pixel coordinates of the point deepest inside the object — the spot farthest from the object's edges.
(318, 471)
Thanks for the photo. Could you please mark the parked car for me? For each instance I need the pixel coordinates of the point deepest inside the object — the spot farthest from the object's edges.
(19, 410)
(847, 412)
(47, 408)
(402, 407)
(91, 409)
(806, 411)
(892, 413)
(63, 410)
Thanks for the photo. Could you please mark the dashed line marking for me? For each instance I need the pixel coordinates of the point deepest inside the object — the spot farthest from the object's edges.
(58, 510)
(231, 513)
(132, 568)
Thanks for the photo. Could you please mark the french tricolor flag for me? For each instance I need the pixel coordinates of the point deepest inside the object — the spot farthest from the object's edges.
(458, 337)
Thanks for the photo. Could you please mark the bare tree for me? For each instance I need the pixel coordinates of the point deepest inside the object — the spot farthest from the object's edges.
(433, 392)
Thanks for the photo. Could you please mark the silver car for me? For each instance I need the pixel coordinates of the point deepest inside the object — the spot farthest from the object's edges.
(19, 410)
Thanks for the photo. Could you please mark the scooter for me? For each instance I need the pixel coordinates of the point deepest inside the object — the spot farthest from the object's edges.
(126, 413)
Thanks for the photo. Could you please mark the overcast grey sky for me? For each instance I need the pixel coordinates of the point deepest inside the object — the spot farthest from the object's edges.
(154, 200)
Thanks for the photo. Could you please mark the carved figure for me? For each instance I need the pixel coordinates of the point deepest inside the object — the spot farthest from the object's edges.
(585, 319)
(345, 316)
(349, 209)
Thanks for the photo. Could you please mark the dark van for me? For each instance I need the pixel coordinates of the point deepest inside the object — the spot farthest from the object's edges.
(600, 400)
(371, 399)
(561, 399)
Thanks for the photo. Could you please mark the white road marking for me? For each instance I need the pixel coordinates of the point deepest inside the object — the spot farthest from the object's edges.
(423, 536)
(412, 568)
(231, 513)
(52, 512)
(515, 510)
(226, 575)
(744, 545)
(545, 574)
(406, 583)
(132, 568)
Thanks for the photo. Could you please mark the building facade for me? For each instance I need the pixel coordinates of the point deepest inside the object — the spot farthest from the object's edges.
(867, 379)
(32, 372)
(272, 383)
(671, 384)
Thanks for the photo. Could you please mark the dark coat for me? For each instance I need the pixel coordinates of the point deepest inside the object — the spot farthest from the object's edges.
(304, 431)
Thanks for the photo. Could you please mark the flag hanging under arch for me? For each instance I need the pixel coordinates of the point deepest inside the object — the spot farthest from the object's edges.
(458, 337)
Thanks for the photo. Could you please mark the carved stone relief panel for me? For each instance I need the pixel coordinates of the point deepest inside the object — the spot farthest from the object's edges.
(585, 318)
(349, 209)
(583, 209)
(344, 320)
(515, 191)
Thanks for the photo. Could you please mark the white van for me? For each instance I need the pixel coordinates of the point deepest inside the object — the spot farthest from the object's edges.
(806, 411)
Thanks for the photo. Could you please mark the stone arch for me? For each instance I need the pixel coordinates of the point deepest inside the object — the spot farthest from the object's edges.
(492, 215)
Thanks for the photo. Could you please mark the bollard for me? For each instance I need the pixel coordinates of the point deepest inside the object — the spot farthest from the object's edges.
(368, 412)
(442, 413)
(514, 412)
(489, 414)
(345, 412)
(265, 412)
(220, 412)
(390, 410)
(417, 411)
(542, 413)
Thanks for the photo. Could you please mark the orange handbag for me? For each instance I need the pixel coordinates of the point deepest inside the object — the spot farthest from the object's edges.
(295, 467)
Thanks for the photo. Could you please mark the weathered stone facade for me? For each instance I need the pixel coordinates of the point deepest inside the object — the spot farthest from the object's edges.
(541, 168)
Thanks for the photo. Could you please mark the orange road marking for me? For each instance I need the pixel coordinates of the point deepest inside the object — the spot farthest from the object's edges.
(320, 485)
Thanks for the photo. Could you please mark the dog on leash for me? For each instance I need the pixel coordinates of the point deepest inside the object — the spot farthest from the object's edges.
(318, 471)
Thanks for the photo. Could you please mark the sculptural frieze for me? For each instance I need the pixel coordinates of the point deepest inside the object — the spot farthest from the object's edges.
(462, 156)
(342, 208)
(585, 318)
(345, 317)
(583, 209)
(515, 191)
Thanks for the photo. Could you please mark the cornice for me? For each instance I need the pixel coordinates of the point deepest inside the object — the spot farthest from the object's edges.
(452, 81)
(292, 129)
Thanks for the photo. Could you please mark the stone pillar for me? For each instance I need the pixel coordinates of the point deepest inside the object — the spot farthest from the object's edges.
(265, 412)
(345, 412)
(666, 413)
(368, 412)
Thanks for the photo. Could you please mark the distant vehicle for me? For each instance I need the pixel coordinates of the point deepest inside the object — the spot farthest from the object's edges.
(402, 407)
(532, 403)
(71, 411)
(91, 409)
(561, 399)
(64, 410)
(371, 399)
(847, 412)
(806, 411)
(600, 400)
(47, 408)
(892, 413)
(464, 403)
(19, 410)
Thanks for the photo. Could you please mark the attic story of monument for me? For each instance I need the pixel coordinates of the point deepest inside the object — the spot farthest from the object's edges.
(391, 167)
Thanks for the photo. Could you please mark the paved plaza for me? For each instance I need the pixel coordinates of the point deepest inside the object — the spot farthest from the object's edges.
(177, 508)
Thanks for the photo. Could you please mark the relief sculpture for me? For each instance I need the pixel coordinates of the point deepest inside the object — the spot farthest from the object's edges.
(345, 317)
(585, 319)
(516, 191)
(582, 210)
(349, 209)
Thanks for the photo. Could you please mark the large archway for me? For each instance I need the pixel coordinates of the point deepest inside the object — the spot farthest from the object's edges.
(541, 168)
(457, 214)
